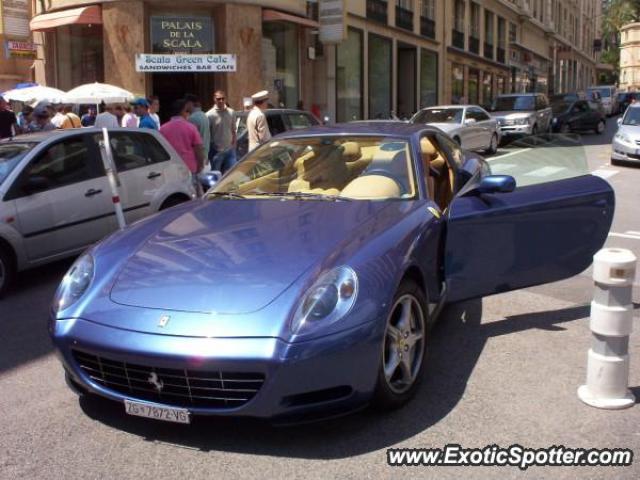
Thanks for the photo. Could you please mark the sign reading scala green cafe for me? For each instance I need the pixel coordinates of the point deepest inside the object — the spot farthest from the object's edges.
(178, 34)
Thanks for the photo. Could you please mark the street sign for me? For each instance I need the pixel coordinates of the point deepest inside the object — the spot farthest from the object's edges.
(153, 63)
(332, 16)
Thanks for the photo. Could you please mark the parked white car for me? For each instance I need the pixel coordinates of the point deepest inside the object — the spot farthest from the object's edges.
(609, 97)
(469, 125)
(55, 198)
(626, 142)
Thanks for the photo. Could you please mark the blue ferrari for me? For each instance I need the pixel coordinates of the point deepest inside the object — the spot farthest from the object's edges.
(306, 281)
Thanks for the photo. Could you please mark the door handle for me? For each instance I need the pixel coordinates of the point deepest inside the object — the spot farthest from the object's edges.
(153, 175)
(91, 192)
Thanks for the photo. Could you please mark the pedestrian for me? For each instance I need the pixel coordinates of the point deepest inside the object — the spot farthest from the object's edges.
(118, 111)
(24, 119)
(8, 120)
(41, 120)
(106, 118)
(222, 154)
(247, 104)
(186, 141)
(58, 117)
(141, 109)
(71, 120)
(198, 118)
(257, 126)
(154, 109)
(130, 119)
(89, 118)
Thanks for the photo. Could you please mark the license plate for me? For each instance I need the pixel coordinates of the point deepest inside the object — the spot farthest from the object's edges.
(157, 412)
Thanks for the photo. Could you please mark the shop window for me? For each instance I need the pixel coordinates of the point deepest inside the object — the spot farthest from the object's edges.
(379, 76)
(349, 77)
(280, 62)
(428, 78)
(79, 57)
(487, 89)
(457, 84)
(474, 80)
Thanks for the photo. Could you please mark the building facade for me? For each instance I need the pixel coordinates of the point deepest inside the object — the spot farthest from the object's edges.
(18, 52)
(630, 58)
(395, 56)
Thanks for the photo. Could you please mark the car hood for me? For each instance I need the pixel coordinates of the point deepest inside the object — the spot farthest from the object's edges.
(446, 127)
(631, 131)
(235, 257)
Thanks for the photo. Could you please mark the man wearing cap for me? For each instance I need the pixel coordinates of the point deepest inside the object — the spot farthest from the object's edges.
(257, 126)
(8, 120)
(141, 109)
(41, 120)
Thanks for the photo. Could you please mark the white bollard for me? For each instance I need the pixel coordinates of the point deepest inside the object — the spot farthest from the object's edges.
(607, 385)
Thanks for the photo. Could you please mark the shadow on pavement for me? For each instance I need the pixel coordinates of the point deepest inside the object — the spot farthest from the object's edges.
(456, 345)
(24, 312)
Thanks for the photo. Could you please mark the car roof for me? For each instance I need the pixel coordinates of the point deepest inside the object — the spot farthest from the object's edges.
(278, 110)
(39, 137)
(390, 128)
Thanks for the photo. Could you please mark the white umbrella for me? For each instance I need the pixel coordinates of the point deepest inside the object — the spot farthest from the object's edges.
(96, 93)
(35, 95)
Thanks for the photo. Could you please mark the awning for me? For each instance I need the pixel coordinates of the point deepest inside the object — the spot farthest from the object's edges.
(276, 16)
(74, 16)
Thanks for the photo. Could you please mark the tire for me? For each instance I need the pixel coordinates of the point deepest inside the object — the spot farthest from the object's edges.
(565, 128)
(601, 127)
(534, 130)
(403, 345)
(493, 146)
(7, 270)
(173, 201)
(615, 162)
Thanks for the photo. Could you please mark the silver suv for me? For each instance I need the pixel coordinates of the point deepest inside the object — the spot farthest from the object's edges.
(522, 114)
(55, 198)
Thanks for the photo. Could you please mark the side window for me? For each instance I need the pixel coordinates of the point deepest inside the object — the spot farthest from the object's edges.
(155, 151)
(478, 115)
(454, 149)
(276, 124)
(298, 120)
(128, 151)
(63, 163)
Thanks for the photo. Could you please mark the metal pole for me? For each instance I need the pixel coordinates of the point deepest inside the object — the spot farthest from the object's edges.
(607, 385)
(112, 176)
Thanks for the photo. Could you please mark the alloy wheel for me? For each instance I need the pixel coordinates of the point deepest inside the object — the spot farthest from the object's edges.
(404, 344)
(600, 127)
(494, 144)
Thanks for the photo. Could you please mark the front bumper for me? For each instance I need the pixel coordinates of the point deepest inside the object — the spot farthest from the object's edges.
(515, 130)
(334, 373)
(625, 151)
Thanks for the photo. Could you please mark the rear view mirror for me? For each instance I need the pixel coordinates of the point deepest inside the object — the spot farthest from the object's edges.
(494, 184)
(35, 184)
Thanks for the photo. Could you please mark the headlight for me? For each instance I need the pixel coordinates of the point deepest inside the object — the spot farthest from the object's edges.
(622, 137)
(521, 121)
(327, 301)
(554, 121)
(74, 283)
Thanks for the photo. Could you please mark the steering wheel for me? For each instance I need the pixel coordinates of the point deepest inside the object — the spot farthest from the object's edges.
(384, 173)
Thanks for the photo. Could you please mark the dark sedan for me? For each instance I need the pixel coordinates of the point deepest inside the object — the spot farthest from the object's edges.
(577, 116)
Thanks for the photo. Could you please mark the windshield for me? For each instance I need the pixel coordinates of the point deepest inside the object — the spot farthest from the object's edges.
(324, 168)
(439, 115)
(560, 107)
(10, 155)
(524, 103)
(632, 116)
(605, 92)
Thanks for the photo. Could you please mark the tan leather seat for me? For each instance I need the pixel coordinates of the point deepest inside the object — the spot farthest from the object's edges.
(442, 187)
(372, 187)
(321, 173)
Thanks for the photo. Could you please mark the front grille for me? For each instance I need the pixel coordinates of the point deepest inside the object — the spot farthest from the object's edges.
(637, 142)
(180, 388)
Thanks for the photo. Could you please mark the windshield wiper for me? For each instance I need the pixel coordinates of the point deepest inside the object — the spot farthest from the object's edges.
(235, 196)
(303, 195)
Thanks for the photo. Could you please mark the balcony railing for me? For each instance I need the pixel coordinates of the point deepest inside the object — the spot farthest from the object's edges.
(377, 10)
(488, 50)
(502, 55)
(427, 27)
(404, 18)
(474, 45)
(457, 39)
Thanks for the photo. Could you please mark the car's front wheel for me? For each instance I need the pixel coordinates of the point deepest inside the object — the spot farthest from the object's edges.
(403, 347)
(565, 128)
(493, 146)
(600, 128)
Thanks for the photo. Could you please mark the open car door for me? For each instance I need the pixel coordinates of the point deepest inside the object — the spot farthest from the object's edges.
(546, 230)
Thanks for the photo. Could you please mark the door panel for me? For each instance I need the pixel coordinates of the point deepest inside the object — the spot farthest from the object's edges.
(534, 235)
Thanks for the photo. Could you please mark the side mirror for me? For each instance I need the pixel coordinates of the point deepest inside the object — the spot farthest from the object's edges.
(35, 184)
(619, 122)
(470, 121)
(494, 184)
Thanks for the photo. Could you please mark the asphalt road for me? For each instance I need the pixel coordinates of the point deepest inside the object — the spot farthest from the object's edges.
(500, 371)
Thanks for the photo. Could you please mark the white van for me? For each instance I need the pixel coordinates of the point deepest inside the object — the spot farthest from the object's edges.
(608, 93)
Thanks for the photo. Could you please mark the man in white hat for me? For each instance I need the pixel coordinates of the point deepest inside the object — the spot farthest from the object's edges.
(257, 126)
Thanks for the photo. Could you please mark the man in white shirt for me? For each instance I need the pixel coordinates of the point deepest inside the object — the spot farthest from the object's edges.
(154, 108)
(59, 117)
(106, 119)
(257, 126)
